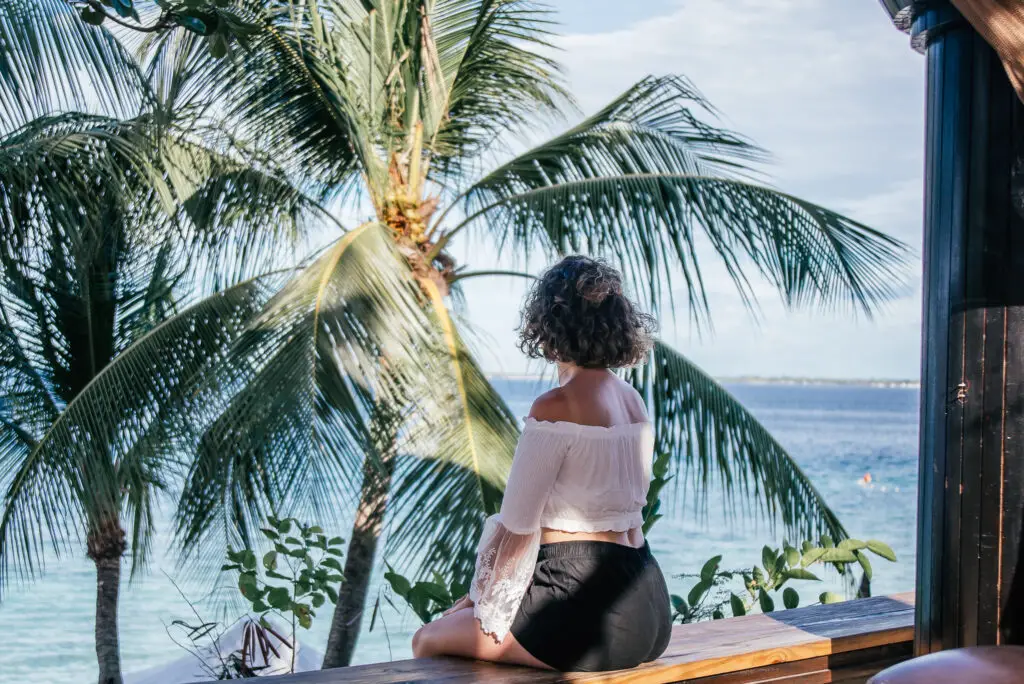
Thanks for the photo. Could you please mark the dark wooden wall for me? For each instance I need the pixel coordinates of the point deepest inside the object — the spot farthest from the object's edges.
(970, 569)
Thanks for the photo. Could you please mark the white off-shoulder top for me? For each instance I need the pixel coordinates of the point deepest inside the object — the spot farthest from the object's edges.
(564, 476)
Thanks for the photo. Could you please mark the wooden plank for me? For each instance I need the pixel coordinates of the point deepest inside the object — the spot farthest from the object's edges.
(803, 671)
(1009, 593)
(940, 148)
(793, 645)
(1011, 569)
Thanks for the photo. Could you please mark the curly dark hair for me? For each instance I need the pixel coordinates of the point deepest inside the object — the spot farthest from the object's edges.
(577, 313)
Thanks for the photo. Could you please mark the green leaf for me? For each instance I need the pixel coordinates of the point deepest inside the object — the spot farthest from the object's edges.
(792, 557)
(318, 600)
(92, 16)
(270, 560)
(294, 541)
(436, 592)
(315, 529)
(332, 593)
(768, 557)
(812, 556)
(830, 597)
(717, 614)
(679, 604)
(335, 541)
(881, 549)
(738, 608)
(800, 574)
(851, 544)
(218, 45)
(400, 585)
(248, 586)
(279, 598)
(806, 546)
(270, 534)
(192, 23)
(826, 541)
(332, 563)
(790, 598)
(698, 591)
(248, 559)
(707, 573)
(232, 566)
(834, 555)
(865, 564)
(335, 552)
(767, 604)
(260, 607)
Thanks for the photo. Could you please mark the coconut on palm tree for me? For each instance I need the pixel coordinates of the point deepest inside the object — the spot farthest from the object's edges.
(355, 381)
(110, 197)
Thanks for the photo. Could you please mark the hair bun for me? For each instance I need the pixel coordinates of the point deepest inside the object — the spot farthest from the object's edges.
(597, 285)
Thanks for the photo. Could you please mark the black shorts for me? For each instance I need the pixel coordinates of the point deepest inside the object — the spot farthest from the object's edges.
(594, 606)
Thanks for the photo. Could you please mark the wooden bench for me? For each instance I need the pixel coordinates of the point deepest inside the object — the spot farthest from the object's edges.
(841, 642)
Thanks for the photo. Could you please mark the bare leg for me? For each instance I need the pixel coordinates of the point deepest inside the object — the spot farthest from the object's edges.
(459, 634)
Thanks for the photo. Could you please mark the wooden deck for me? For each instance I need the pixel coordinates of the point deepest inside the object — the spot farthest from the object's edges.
(842, 642)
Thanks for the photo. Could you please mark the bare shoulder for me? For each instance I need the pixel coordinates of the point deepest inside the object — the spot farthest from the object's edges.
(551, 406)
(635, 400)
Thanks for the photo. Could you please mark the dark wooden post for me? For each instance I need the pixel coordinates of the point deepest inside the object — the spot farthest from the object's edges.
(970, 572)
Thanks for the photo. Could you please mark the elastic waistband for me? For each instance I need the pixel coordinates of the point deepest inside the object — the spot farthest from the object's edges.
(591, 549)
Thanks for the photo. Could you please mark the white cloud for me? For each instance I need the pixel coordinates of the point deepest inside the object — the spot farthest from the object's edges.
(836, 94)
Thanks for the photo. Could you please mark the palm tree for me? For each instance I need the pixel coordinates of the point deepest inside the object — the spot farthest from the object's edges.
(110, 201)
(355, 378)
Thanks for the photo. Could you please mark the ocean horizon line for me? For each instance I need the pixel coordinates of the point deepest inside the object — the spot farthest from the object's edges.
(762, 380)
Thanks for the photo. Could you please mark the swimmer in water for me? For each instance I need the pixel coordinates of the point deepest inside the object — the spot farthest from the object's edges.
(866, 480)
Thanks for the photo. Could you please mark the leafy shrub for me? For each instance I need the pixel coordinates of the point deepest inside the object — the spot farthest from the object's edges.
(717, 591)
(427, 599)
(299, 575)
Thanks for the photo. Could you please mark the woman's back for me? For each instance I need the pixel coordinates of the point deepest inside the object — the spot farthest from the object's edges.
(563, 576)
(593, 397)
(596, 424)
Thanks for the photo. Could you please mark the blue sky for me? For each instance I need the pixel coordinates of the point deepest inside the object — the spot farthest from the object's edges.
(834, 92)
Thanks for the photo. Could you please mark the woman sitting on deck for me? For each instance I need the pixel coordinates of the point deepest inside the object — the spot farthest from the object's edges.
(564, 579)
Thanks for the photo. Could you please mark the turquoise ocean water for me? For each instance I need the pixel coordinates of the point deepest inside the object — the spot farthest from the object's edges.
(836, 433)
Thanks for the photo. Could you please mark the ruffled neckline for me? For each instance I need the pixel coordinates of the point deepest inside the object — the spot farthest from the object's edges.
(569, 426)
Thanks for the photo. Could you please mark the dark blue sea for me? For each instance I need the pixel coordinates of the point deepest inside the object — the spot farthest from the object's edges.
(837, 433)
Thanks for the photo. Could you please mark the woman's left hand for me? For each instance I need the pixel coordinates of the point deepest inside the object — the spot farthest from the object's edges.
(464, 602)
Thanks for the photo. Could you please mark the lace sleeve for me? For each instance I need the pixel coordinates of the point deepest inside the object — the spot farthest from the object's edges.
(508, 546)
(504, 568)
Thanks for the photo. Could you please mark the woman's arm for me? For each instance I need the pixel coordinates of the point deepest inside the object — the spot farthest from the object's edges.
(510, 541)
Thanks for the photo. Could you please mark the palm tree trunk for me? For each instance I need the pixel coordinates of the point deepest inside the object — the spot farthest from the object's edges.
(362, 546)
(106, 547)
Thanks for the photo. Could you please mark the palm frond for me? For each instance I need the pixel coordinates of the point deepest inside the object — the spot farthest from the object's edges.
(461, 438)
(52, 61)
(114, 441)
(284, 416)
(715, 442)
(287, 93)
(497, 77)
(645, 181)
(243, 215)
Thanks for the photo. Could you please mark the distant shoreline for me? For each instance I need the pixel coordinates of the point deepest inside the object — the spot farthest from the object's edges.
(758, 380)
(854, 382)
